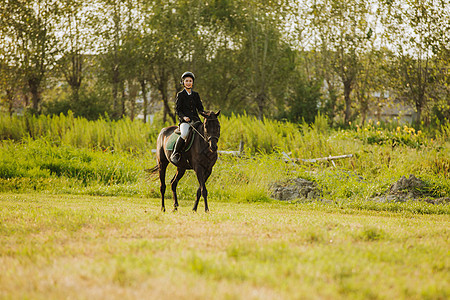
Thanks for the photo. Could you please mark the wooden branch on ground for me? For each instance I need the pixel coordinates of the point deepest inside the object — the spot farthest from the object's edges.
(314, 160)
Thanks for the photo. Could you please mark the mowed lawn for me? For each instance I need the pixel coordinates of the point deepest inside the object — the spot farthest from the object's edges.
(80, 247)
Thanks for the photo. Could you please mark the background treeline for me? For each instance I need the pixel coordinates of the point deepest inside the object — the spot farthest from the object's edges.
(281, 59)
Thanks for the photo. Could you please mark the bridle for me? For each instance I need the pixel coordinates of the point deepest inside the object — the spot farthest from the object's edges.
(203, 137)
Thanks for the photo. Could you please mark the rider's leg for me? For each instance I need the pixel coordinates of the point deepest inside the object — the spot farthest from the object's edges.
(179, 145)
(184, 128)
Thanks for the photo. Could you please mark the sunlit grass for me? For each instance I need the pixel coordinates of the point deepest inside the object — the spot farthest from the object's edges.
(68, 155)
(57, 246)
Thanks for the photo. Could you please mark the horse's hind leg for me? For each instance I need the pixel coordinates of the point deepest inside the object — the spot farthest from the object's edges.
(162, 179)
(176, 178)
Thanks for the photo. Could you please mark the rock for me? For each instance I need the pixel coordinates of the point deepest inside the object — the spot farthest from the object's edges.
(296, 188)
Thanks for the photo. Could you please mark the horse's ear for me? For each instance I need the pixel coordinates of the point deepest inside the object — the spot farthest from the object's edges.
(204, 113)
(218, 113)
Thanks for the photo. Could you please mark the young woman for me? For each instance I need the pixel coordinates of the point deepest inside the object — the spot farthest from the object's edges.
(187, 106)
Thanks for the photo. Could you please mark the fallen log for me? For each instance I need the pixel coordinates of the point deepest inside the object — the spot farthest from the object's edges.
(314, 160)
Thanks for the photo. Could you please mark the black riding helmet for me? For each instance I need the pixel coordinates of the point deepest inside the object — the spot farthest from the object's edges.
(187, 74)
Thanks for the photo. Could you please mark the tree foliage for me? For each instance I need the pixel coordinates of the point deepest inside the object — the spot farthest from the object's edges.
(276, 58)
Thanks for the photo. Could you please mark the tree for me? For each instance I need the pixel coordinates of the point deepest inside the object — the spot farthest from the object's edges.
(10, 85)
(417, 31)
(222, 68)
(268, 60)
(116, 61)
(11, 81)
(370, 82)
(74, 44)
(342, 31)
(303, 99)
(31, 28)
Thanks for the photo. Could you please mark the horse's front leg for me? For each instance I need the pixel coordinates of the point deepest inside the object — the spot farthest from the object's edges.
(205, 191)
(199, 194)
(202, 191)
(174, 183)
(205, 197)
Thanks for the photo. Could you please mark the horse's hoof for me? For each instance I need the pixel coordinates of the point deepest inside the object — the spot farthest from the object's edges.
(175, 210)
(163, 209)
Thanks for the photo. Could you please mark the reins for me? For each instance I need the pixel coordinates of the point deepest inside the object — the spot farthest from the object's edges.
(198, 132)
(205, 139)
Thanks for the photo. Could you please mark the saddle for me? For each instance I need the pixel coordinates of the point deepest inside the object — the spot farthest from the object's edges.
(189, 141)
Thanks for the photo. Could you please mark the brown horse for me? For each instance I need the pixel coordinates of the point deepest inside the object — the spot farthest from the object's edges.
(201, 157)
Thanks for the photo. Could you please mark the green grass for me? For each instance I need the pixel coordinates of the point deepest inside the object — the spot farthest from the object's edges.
(79, 218)
(84, 247)
(45, 166)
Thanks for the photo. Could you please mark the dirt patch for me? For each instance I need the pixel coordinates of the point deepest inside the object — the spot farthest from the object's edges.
(404, 189)
(295, 188)
(411, 188)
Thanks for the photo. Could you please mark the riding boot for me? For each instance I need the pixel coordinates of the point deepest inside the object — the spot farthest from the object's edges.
(176, 155)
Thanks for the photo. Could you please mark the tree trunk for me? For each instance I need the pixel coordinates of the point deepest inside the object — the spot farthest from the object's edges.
(165, 99)
(348, 100)
(133, 90)
(331, 105)
(419, 107)
(33, 84)
(144, 96)
(260, 101)
(74, 77)
(122, 103)
(115, 82)
(10, 99)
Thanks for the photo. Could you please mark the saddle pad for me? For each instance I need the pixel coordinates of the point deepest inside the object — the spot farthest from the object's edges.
(173, 139)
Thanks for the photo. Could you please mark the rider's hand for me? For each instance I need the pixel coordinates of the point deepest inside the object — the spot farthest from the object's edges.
(187, 119)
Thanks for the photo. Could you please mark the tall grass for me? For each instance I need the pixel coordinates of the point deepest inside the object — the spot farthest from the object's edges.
(74, 155)
(122, 135)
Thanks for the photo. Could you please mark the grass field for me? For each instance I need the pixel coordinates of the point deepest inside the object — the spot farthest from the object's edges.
(79, 218)
(86, 247)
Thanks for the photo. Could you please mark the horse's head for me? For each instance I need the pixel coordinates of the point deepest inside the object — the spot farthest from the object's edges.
(212, 128)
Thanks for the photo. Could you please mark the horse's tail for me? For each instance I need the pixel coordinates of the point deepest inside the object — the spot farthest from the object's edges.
(152, 172)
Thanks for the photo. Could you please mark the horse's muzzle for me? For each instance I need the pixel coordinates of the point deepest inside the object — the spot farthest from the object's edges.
(213, 144)
(213, 148)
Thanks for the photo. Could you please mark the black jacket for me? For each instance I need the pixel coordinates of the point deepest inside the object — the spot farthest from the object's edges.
(188, 106)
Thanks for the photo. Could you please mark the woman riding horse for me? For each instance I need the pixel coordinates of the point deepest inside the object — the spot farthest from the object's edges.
(187, 107)
(202, 154)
